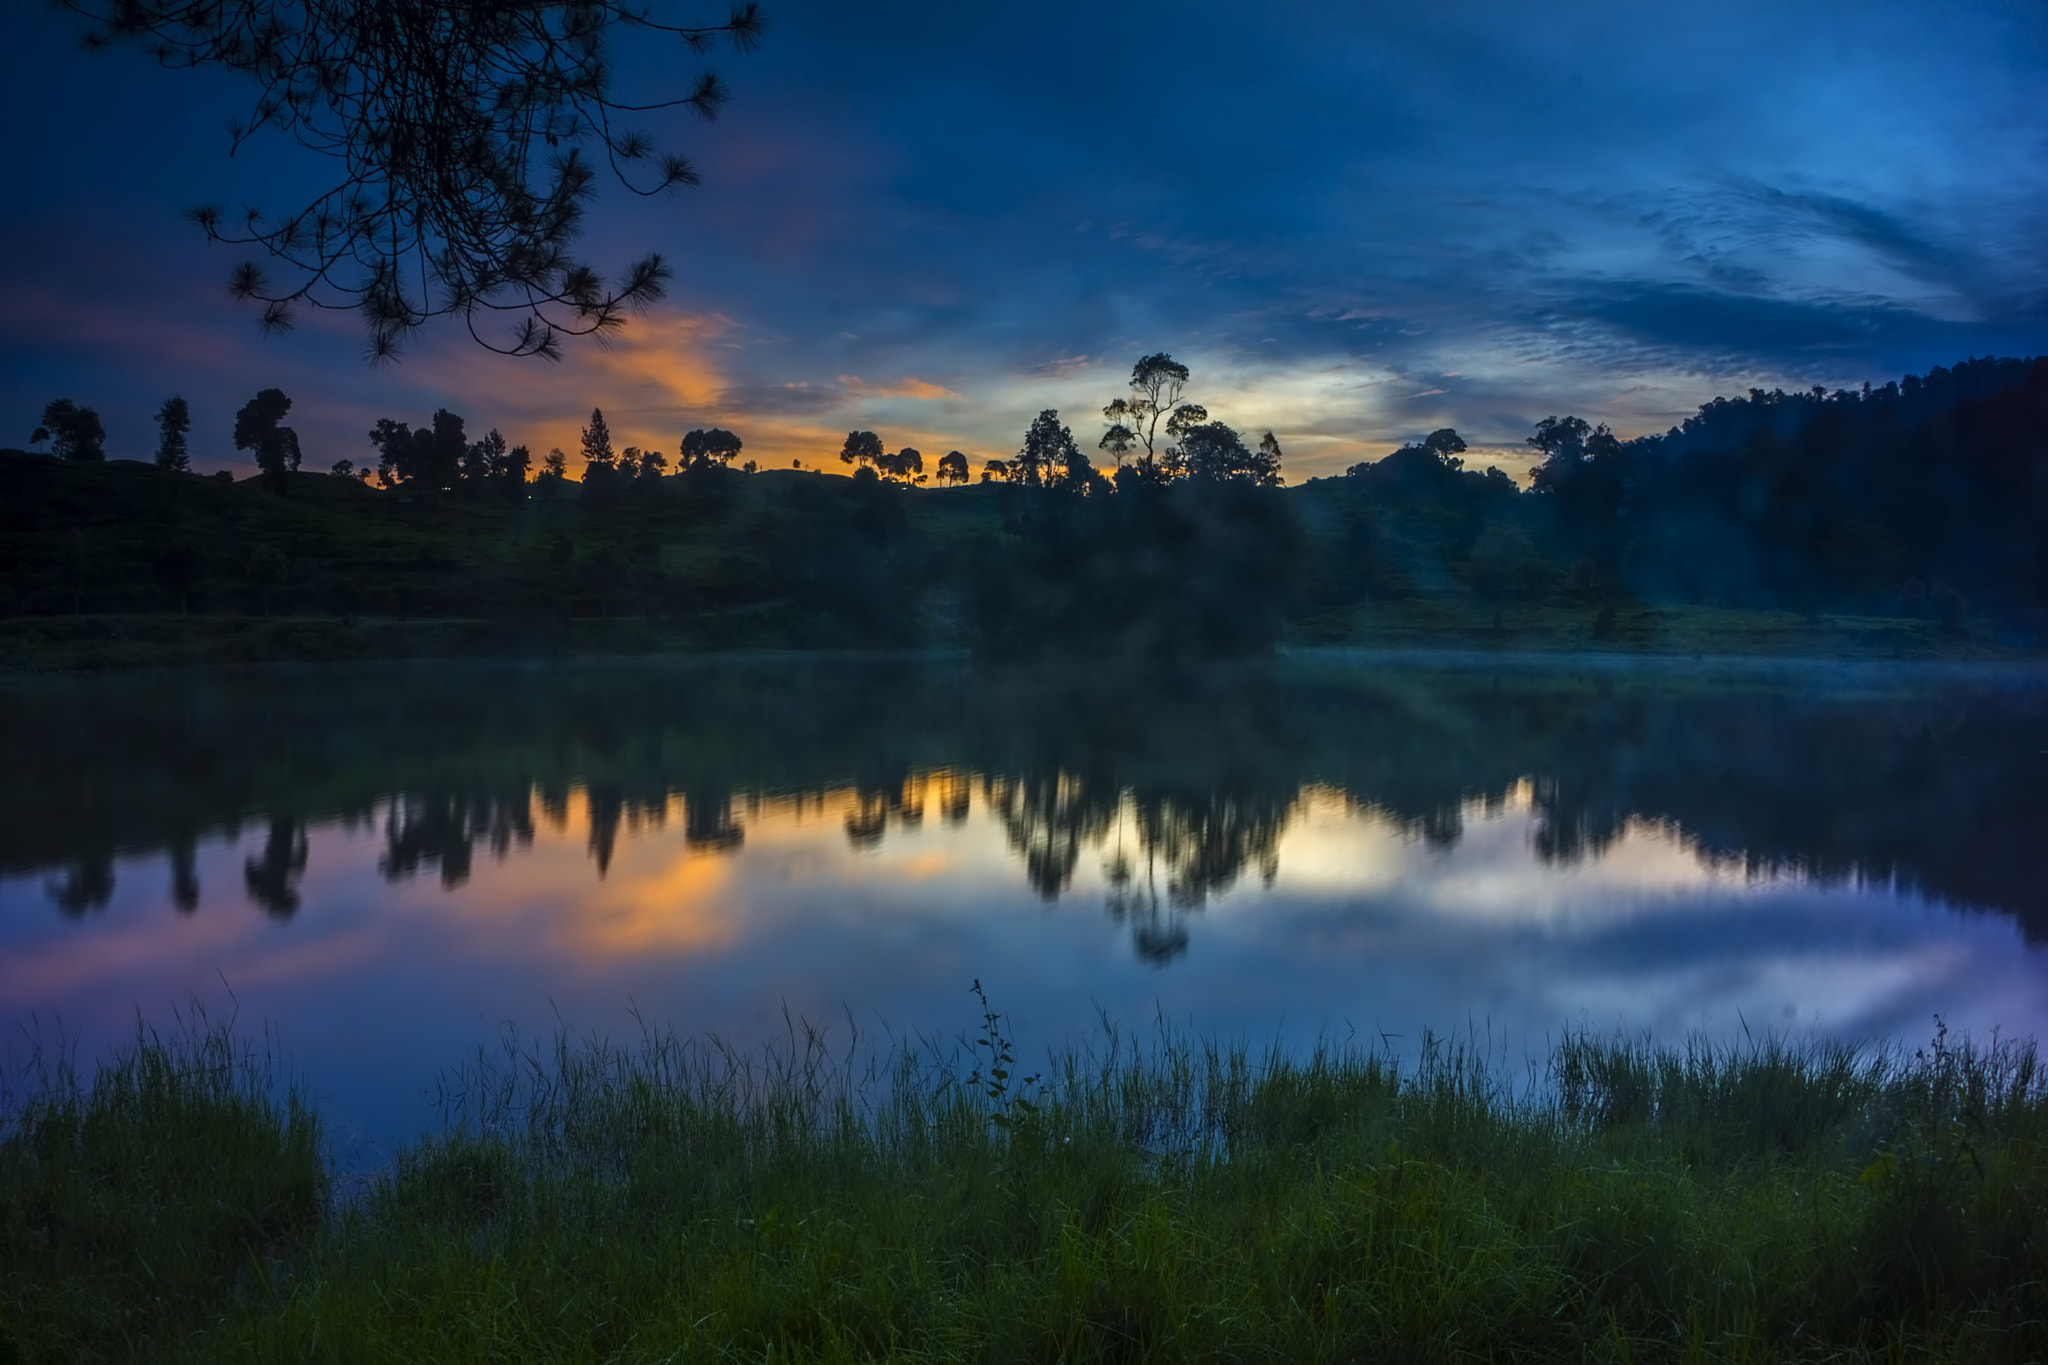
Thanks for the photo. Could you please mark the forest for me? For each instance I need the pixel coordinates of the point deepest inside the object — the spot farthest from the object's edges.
(1908, 517)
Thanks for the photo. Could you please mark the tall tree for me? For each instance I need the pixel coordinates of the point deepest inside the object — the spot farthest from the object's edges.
(861, 448)
(75, 432)
(597, 440)
(1050, 458)
(952, 467)
(1157, 383)
(257, 429)
(459, 127)
(484, 458)
(173, 420)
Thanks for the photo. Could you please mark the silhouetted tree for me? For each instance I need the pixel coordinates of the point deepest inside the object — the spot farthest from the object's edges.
(952, 468)
(457, 126)
(257, 429)
(906, 465)
(74, 432)
(431, 459)
(1157, 383)
(483, 458)
(597, 451)
(862, 448)
(1050, 459)
(713, 445)
(1215, 451)
(173, 420)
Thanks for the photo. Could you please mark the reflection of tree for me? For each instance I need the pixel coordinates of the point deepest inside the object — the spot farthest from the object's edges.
(184, 872)
(1939, 789)
(444, 827)
(273, 878)
(1049, 818)
(88, 884)
(879, 801)
(1573, 824)
(708, 821)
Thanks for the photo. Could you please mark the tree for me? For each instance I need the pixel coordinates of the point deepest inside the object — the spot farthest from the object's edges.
(38, 436)
(1050, 458)
(597, 440)
(952, 468)
(598, 468)
(862, 447)
(173, 420)
(460, 128)
(481, 459)
(429, 458)
(256, 429)
(906, 464)
(708, 446)
(74, 432)
(1216, 452)
(1157, 383)
(1563, 443)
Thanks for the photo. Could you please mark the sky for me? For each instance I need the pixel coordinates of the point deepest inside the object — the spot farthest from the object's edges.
(1354, 222)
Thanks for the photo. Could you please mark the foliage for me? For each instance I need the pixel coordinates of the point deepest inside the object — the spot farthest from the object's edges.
(74, 432)
(1157, 383)
(952, 468)
(257, 429)
(173, 420)
(460, 128)
(714, 445)
(862, 448)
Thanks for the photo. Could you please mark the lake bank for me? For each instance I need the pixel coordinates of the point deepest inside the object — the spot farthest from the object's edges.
(1164, 1201)
(118, 643)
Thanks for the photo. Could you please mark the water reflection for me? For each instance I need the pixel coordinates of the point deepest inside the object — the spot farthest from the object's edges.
(1175, 793)
(388, 870)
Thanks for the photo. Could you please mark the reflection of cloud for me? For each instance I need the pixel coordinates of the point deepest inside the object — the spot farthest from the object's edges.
(684, 906)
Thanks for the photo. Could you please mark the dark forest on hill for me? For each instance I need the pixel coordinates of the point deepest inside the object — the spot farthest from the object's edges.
(1922, 503)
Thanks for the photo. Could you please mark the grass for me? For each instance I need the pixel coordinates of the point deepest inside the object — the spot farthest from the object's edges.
(1170, 1200)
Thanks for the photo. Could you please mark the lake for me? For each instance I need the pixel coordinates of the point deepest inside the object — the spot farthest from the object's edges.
(389, 866)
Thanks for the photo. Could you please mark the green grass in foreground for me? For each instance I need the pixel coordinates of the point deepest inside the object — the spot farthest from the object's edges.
(676, 1201)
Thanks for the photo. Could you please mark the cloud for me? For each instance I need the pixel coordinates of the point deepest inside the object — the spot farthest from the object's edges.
(907, 387)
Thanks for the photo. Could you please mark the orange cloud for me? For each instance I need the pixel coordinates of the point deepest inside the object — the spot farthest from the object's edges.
(906, 387)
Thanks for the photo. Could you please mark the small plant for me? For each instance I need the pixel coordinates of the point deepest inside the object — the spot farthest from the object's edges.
(1010, 1110)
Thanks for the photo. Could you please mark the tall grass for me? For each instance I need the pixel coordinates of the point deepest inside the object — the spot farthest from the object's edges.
(1163, 1198)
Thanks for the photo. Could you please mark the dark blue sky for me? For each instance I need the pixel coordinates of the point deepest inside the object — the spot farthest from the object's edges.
(1356, 222)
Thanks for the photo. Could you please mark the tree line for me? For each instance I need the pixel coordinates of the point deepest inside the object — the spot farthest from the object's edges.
(1926, 497)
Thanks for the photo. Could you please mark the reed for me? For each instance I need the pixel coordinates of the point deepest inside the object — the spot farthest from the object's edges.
(1155, 1198)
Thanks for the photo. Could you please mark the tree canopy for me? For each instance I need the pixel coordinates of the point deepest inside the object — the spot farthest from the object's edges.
(460, 129)
(257, 429)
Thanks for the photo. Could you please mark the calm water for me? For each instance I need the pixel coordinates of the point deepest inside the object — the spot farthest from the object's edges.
(390, 865)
